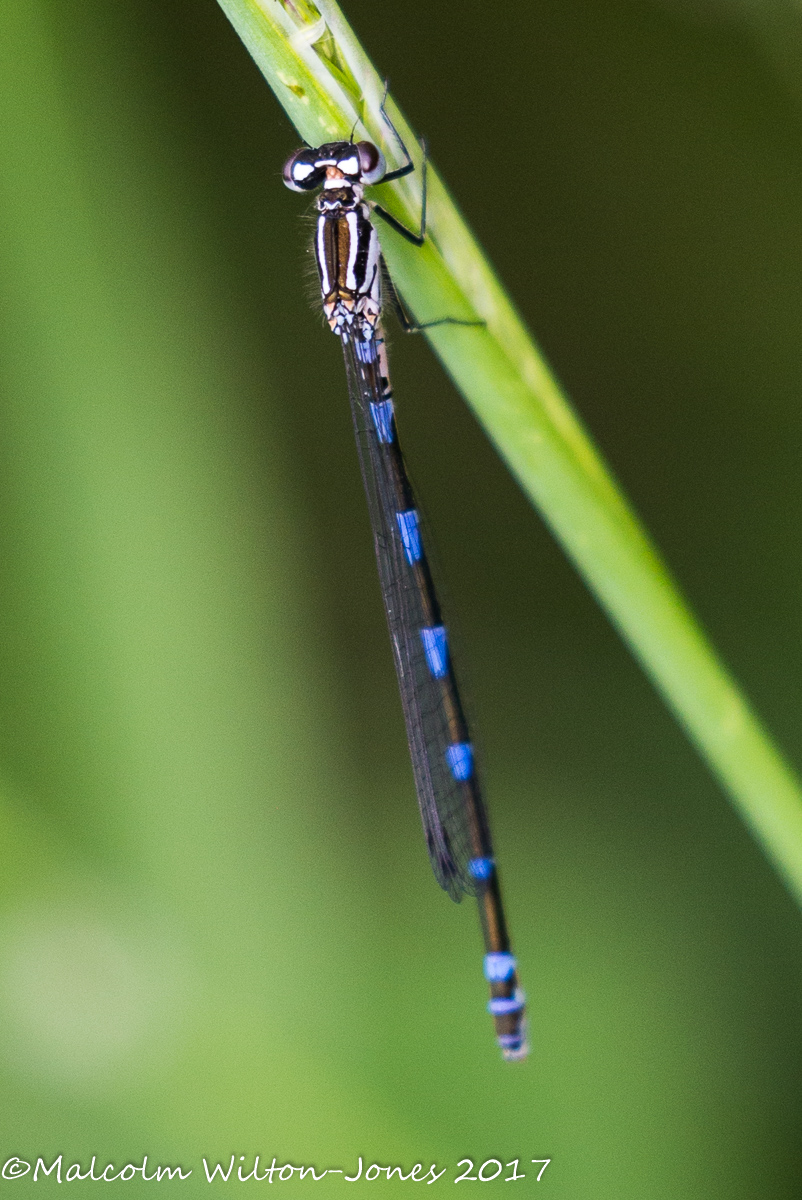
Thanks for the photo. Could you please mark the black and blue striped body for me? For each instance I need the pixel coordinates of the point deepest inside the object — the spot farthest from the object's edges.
(442, 753)
(453, 813)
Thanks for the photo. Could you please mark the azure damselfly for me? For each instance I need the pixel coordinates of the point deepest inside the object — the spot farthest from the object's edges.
(353, 285)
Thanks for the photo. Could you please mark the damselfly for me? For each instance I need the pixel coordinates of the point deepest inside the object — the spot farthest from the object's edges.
(352, 279)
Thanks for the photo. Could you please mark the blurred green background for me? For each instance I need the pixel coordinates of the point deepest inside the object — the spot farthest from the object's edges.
(219, 933)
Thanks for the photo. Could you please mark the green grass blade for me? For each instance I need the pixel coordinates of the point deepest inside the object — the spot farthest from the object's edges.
(328, 87)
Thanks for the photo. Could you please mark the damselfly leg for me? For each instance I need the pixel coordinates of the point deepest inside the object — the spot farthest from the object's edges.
(409, 165)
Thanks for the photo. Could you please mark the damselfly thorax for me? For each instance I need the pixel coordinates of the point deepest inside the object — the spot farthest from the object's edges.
(348, 259)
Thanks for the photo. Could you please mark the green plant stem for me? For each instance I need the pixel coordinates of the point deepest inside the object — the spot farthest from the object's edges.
(327, 86)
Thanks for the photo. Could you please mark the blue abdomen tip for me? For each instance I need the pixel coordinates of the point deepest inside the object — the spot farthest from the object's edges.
(500, 1006)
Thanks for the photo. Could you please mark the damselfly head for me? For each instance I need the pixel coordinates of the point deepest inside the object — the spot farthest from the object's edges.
(339, 162)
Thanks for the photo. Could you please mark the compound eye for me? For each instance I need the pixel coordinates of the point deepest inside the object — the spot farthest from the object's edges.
(371, 162)
(301, 172)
